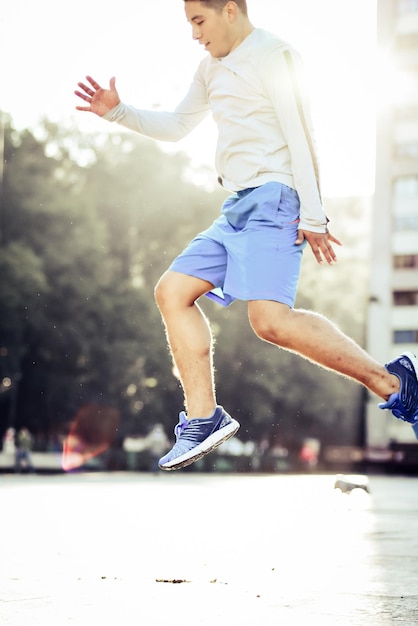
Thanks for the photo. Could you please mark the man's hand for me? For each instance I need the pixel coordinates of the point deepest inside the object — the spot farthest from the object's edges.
(99, 100)
(320, 244)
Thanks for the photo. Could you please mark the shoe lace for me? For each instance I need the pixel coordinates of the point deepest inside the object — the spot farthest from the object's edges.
(188, 430)
(179, 428)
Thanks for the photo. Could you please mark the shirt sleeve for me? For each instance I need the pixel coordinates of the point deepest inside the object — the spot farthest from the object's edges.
(165, 125)
(283, 79)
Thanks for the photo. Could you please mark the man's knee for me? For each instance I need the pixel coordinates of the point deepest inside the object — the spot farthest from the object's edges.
(262, 326)
(168, 291)
(179, 290)
(269, 320)
(162, 290)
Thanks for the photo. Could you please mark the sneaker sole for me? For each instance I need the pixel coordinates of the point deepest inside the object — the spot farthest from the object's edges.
(213, 441)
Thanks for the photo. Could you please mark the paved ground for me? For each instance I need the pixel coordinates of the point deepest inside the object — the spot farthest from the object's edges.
(95, 549)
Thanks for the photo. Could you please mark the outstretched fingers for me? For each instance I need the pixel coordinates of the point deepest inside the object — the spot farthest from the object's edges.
(326, 252)
(93, 83)
(320, 244)
(87, 92)
(98, 99)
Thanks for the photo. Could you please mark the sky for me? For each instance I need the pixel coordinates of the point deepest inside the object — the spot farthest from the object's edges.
(46, 47)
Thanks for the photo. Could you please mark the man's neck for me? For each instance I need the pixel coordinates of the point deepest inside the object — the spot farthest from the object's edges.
(247, 29)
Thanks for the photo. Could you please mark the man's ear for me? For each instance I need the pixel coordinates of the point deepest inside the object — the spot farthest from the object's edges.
(231, 10)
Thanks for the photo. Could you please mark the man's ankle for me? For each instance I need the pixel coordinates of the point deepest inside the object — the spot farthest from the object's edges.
(204, 413)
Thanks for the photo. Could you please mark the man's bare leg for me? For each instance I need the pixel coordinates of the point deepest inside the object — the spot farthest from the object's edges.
(314, 337)
(189, 338)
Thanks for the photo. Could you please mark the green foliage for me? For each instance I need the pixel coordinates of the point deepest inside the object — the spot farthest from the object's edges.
(88, 224)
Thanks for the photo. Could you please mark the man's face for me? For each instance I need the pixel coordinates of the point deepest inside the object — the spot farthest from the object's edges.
(211, 29)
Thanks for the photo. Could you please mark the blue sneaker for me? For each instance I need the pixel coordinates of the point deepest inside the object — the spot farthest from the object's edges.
(198, 437)
(404, 405)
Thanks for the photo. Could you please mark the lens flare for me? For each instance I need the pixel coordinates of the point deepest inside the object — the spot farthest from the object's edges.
(91, 433)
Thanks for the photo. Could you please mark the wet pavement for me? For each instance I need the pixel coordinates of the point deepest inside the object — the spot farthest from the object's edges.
(186, 548)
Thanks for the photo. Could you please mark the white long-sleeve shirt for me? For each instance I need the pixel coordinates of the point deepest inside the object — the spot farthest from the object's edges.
(257, 100)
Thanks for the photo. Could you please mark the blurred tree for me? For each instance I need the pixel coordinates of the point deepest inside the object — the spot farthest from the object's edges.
(72, 328)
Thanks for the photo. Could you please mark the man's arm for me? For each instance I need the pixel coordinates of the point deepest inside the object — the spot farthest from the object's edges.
(285, 86)
(160, 125)
(288, 95)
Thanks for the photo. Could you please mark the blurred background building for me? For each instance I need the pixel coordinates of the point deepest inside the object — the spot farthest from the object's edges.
(393, 309)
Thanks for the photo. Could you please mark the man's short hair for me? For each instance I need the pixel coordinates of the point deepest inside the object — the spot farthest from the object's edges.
(218, 5)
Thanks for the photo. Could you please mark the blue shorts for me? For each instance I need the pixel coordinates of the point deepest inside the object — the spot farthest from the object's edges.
(249, 252)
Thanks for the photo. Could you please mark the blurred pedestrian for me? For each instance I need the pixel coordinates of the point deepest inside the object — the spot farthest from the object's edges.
(9, 445)
(23, 458)
(157, 443)
(133, 445)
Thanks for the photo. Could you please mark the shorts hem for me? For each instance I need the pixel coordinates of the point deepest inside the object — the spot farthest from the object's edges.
(225, 299)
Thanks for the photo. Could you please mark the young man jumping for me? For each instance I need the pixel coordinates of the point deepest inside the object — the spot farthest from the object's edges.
(251, 81)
